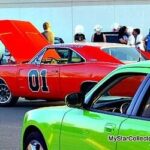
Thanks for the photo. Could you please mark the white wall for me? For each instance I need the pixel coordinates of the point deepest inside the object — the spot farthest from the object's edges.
(64, 16)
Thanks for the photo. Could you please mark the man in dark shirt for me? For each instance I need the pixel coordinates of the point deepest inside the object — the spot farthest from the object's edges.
(79, 36)
(98, 36)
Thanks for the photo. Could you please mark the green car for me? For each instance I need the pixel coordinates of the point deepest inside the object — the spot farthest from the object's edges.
(113, 115)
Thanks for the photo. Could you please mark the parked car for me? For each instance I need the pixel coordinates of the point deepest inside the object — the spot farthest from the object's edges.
(42, 71)
(102, 119)
(124, 53)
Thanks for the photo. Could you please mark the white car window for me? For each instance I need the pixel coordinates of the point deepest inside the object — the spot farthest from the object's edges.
(125, 53)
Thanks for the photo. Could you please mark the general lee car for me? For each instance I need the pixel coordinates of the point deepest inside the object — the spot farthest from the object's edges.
(100, 120)
(36, 70)
(42, 71)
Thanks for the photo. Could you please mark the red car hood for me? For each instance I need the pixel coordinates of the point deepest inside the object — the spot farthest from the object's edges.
(21, 39)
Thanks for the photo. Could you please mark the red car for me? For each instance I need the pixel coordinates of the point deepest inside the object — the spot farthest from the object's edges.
(39, 70)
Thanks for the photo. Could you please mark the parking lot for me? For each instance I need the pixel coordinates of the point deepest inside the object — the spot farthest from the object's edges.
(11, 121)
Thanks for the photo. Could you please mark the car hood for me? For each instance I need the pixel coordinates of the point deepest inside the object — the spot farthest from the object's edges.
(21, 39)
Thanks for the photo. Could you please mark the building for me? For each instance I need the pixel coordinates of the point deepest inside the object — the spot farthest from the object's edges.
(64, 15)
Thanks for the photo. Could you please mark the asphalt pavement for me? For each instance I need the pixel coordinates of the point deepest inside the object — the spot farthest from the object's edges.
(11, 119)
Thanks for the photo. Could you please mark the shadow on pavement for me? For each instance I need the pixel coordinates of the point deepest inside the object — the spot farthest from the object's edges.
(38, 103)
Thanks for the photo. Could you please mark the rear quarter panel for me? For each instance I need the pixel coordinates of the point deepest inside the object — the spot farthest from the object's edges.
(72, 76)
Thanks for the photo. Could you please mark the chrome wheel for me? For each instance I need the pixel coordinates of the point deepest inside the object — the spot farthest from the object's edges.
(34, 141)
(5, 94)
(34, 145)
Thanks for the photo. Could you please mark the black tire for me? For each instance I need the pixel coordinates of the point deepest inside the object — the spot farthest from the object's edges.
(34, 139)
(6, 97)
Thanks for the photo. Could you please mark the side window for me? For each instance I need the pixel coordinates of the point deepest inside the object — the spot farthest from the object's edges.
(144, 110)
(50, 57)
(60, 56)
(117, 95)
(64, 55)
(76, 58)
(56, 56)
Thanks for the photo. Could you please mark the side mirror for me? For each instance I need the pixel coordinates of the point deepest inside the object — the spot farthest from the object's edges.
(87, 86)
(74, 100)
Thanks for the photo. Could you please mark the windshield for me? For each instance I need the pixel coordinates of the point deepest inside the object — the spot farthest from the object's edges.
(125, 54)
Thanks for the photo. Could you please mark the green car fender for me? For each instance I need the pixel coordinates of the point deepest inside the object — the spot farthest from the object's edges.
(46, 121)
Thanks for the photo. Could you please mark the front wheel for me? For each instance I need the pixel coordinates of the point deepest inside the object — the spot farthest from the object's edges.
(6, 98)
(34, 141)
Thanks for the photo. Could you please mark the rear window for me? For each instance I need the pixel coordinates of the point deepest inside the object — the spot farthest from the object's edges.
(125, 54)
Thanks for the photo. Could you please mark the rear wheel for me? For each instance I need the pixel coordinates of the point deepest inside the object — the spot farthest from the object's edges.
(34, 141)
(6, 98)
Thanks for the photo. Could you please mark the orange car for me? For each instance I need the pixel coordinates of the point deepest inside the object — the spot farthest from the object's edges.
(42, 71)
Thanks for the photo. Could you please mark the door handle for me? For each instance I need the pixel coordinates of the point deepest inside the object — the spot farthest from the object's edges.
(110, 127)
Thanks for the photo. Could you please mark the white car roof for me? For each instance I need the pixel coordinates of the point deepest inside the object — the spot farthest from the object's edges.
(107, 45)
(96, 44)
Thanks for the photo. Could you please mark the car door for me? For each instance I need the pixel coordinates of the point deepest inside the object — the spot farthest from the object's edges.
(50, 81)
(75, 71)
(72, 71)
(93, 128)
(40, 78)
(135, 131)
(88, 130)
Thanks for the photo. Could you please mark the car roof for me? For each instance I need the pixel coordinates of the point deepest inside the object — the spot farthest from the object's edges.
(88, 51)
(107, 45)
(95, 44)
(138, 67)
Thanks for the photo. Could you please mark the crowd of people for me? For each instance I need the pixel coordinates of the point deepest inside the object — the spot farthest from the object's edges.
(126, 35)
(98, 36)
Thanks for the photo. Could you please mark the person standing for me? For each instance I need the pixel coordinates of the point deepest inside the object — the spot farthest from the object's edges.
(79, 34)
(131, 39)
(48, 34)
(98, 36)
(123, 35)
(115, 27)
(139, 43)
(147, 42)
